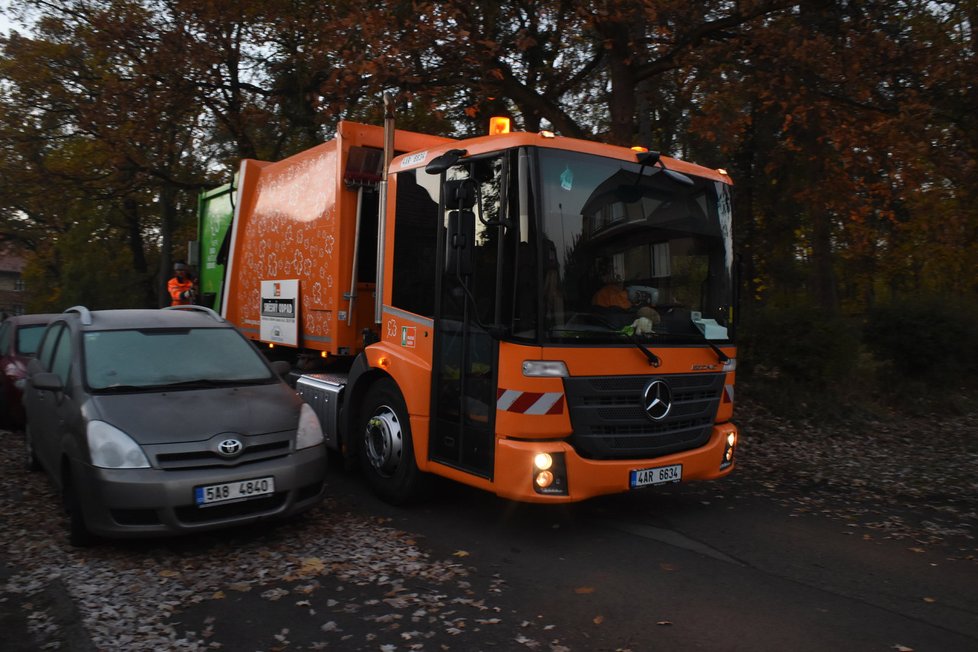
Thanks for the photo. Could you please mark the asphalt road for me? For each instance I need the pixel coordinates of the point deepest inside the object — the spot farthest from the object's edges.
(710, 566)
(702, 567)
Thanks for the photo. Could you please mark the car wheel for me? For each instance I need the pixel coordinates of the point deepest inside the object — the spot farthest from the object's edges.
(78, 532)
(31, 462)
(386, 449)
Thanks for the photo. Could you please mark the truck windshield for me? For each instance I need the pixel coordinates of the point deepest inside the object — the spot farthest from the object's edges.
(627, 249)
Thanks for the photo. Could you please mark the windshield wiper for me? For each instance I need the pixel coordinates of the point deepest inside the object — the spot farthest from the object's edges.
(723, 357)
(654, 360)
(196, 382)
(121, 388)
(215, 382)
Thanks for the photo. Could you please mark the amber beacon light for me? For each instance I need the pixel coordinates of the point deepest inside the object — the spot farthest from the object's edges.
(498, 125)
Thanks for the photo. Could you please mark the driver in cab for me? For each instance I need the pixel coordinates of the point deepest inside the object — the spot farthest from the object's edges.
(612, 294)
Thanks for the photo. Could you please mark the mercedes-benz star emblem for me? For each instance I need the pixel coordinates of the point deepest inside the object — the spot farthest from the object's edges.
(230, 448)
(657, 400)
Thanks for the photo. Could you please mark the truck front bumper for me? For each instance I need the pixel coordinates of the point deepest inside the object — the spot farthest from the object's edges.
(516, 470)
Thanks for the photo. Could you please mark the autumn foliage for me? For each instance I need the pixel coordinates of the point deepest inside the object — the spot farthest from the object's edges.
(849, 128)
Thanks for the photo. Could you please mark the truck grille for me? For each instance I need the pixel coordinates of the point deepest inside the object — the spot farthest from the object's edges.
(610, 421)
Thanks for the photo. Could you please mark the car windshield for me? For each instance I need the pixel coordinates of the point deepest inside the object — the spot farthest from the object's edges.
(28, 338)
(153, 358)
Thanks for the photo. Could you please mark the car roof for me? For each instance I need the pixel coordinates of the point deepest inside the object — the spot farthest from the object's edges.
(30, 320)
(146, 318)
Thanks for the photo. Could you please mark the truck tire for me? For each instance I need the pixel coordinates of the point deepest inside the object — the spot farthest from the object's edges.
(385, 446)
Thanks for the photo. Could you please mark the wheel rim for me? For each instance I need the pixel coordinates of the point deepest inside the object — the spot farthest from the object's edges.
(384, 441)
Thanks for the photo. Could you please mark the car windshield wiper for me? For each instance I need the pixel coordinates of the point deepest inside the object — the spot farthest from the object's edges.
(122, 388)
(197, 383)
(213, 382)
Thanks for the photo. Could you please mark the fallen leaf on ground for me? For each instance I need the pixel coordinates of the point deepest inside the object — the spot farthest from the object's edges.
(312, 566)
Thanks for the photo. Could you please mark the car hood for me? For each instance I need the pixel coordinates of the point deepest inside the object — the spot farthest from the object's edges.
(199, 414)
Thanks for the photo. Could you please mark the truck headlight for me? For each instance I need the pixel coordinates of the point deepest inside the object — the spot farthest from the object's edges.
(110, 448)
(729, 446)
(310, 432)
(550, 474)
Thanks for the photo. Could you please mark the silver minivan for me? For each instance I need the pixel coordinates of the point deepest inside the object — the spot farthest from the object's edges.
(166, 422)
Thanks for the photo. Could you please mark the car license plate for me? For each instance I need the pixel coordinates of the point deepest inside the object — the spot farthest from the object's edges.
(239, 490)
(657, 475)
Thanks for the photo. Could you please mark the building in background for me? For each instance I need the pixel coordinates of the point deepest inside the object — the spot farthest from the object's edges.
(13, 298)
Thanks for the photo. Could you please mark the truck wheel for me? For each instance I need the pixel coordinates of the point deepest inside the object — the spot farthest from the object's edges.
(385, 447)
(31, 462)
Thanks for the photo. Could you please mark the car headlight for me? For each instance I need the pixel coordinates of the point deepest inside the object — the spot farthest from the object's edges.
(111, 448)
(310, 432)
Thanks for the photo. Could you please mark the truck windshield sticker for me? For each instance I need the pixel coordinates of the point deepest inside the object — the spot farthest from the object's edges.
(567, 179)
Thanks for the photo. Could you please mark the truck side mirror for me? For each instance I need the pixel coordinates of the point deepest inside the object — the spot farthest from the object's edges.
(445, 161)
(460, 194)
(460, 242)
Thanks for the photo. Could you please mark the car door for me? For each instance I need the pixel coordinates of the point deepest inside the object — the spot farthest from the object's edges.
(6, 393)
(41, 405)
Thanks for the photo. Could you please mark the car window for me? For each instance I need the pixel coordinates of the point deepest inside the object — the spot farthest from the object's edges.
(48, 343)
(61, 364)
(4, 337)
(154, 357)
(28, 338)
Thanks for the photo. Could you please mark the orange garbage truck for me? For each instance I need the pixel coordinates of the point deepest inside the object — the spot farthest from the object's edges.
(441, 301)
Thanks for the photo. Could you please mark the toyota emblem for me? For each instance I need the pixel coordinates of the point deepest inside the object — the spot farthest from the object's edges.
(657, 400)
(230, 448)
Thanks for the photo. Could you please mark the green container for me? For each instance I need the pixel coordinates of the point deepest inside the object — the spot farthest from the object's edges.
(215, 210)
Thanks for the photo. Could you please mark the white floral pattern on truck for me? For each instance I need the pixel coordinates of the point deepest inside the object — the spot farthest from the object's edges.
(295, 203)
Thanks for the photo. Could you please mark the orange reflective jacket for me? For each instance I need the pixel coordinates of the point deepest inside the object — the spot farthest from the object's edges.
(176, 288)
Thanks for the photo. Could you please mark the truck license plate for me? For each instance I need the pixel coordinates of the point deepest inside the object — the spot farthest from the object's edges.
(239, 490)
(658, 475)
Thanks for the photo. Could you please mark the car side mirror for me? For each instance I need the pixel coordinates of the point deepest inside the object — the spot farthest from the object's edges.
(47, 381)
(281, 367)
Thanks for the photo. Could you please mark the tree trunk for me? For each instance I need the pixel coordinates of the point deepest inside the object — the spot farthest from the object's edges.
(167, 220)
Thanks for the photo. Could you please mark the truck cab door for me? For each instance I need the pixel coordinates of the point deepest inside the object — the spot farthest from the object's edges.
(464, 377)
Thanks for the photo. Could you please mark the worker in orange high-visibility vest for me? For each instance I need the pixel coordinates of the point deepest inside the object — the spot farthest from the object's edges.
(181, 286)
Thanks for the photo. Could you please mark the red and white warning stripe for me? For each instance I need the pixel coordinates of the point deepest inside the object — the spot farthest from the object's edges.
(511, 400)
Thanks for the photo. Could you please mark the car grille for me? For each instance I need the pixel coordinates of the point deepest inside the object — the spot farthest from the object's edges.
(610, 422)
(203, 454)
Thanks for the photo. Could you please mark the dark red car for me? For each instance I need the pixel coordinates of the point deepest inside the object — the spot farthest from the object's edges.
(19, 337)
